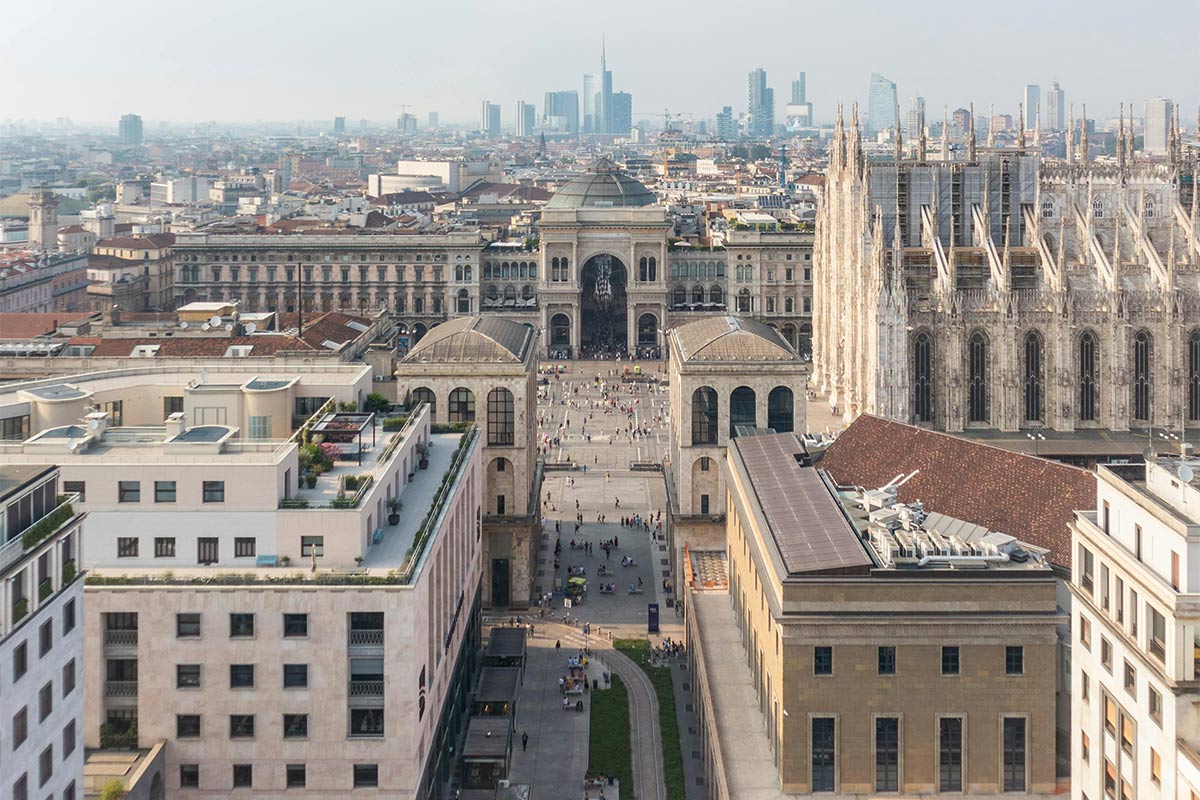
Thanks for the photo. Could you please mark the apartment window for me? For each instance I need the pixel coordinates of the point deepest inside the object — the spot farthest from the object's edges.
(1104, 587)
(68, 617)
(1175, 571)
(1156, 706)
(208, 550)
(1133, 613)
(824, 754)
(164, 491)
(172, 405)
(295, 626)
(45, 701)
(127, 547)
(1137, 542)
(887, 660)
(1119, 603)
(1014, 660)
(1086, 578)
(187, 676)
(822, 661)
(1014, 754)
(296, 776)
(1085, 632)
(129, 492)
(187, 626)
(45, 638)
(950, 754)
(45, 765)
(244, 547)
(295, 676)
(1085, 746)
(187, 726)
(189, 776)
(1110, 715)
(76, 487)
(1085, 687)
(20, 660)
(68, 677)
(164, 546)
(1110, 779)
(366, 722)
(260, 427)
(1130, 678)
(243, 776)
(1105, 517)
(69, 792)
(241, 676)
(214, 491)
(20, 727)
(1127, 734)
(312, 545)
(887, 754)
(950, 660)
(241, 625)
(241, 726)
(21, 788)
(295, 726)
(1157, 631)
(69, 738)
(366, 775)
(1155, 767)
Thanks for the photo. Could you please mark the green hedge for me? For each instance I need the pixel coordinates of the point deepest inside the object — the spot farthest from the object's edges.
(609, 751)
(46, 526)
(638, 651)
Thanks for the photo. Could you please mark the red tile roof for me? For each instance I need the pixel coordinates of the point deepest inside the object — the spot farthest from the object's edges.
(193, 347)
(1024, 496)
(27, 326)
(152, 242)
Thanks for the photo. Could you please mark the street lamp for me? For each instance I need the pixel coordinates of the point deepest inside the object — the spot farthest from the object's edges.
(1035, 438)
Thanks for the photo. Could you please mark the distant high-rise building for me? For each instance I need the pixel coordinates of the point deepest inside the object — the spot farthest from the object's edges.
(489, 119)
(433, 119)
(799, 110)
(912, 119)
(129, 129)
(560, 111)
(526, 118)
(339, 125)
(1055, 118)
(604, 107)
(798, 89)
(1157, 128)
(620, 113)
(1031, 100)
(726, 124)
(881, 104)
(589, 104)
(760, 104)
(960, 122)
(407, 123)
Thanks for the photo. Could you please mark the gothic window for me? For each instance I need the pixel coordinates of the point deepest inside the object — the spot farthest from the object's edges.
(643, 269)
(697, 294)
(923, 378)
(715, 295)
(653, 268)
(1047, 208)
(977, 388)
(1034, 378)
(510, 293)
(526, 292)
(1097, 208)
(1142, 353)
(493, 292)
(1089, 373)
(704, 416)
(780, 404)
(1148, 207)
(1194, 376)
(742, 411)
(501, 426)
(462, 405)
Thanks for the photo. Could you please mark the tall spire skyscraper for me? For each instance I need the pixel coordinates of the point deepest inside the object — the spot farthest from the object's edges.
(604, 101)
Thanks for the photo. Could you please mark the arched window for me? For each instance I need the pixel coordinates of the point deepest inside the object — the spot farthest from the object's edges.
(923, 378)
(524, 270)
(743, 300)
(467, 273)
(653, 268)
(532, 270)
(679, 296)
(565, 275)
(742, 409)
(560, 330)
(526, 292)
(1194, 376)
(458, 273)
(789, 305)
(504, 270)
(501, 424)
(1034, 378)
(704, 416)
(510, 293)
(715, 295)
(977, 388)
(1143, 352)
(418, 305)
(420, 395)
(697, 294)
(1089, 373)
(554, 269)
(780, 404)
(643, 269)
(462, 405)
(464, 301)
(493, 292)
(805, 348)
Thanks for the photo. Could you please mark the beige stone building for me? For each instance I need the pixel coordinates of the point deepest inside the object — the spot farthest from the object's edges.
(888, 650)
(482, 370)
(143, 260)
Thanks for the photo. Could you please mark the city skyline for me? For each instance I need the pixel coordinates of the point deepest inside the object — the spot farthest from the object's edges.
(193, 88)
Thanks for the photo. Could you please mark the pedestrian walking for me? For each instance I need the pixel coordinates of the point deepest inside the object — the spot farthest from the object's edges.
(524, 741)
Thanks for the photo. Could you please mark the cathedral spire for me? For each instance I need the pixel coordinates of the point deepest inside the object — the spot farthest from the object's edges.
(1083, 142)
(899, 137)
(945, 133)
(1071, 135)
(1129, 140)
(1037, 129)
(991, 143)
(922, 134)
(1020, 128)
(971, 136)
(1121, 138)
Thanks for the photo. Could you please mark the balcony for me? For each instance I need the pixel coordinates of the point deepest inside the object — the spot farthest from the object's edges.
(121, 637)
(366, 638)
(366, 688)
(35, 534)
(120, 688)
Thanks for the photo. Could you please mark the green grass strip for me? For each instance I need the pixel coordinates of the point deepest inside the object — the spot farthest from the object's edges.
(638, 650)
(609, 750)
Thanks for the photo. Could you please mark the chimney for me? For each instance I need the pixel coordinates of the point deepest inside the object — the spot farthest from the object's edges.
(175, 424)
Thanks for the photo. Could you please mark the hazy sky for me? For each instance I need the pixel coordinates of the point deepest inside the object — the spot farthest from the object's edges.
(233, 60)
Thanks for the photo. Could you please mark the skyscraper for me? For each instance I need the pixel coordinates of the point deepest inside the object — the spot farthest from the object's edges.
(620, 113)
(912, 119)
(726, 126)
(799, 110)
(526, 118)
(560, 111)
(129, 129)
(433, 119)
(881, 104)
(1055, 118)
(1157, 137)
(339, 125)
(589, 104)
(760, 104)
(489, 119)
(604, 112)
(798, 89)
(1032, 99)
(407, 123)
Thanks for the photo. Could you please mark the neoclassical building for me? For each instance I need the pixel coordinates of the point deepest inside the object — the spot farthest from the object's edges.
(1003, 291)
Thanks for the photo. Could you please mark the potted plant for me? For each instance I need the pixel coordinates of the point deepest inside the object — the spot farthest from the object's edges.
(310, 480)
(358, 560)
(423, 451)
(285, 560)
(395, 506)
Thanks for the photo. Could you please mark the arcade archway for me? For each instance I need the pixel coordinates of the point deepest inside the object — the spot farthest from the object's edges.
(603, 304)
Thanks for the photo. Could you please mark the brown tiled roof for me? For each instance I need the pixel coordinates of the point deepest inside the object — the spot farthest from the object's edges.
(27, 326)
(72, 229)
(152, 242)
(194, 347)
(1024, 496)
